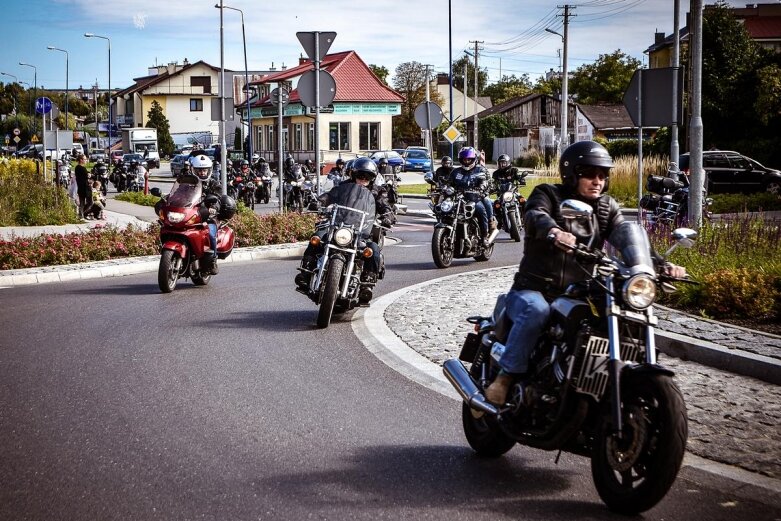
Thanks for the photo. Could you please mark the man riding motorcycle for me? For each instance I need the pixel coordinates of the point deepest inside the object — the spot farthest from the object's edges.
(505, 172)
(473, 177)
(546, 269)
(336, 174)
(201, 166)
(442, 173)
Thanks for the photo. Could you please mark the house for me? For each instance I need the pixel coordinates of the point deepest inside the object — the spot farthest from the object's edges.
(610, 122)
(359, 119)
(188, 93)
(463, 106)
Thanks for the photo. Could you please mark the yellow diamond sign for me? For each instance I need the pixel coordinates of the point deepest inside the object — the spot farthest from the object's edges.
(452, 134)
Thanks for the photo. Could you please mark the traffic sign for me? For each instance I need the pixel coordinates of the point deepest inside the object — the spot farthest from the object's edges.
(278, 96)
(17, 132)
(306, 89)
(34, 139)
(17, 139)
(434, 114)
(452, 134)
(307, 39)
(7, 140)
(656, 93)
(43, 105)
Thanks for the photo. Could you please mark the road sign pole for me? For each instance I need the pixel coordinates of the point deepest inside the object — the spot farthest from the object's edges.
(43, 144)
(640, 146)
(280, 151)
(317, 108)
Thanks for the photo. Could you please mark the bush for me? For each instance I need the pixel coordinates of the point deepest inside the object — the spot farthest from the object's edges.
(26, 199)
(258, 230)
(737, 203)
(137, 198)
(739, 293)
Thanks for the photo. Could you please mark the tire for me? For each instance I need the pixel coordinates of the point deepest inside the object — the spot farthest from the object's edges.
(486, 254)
(201, 279)
(774, 187)
(484, 434)
(515, 227)
(168, 271)
(441, 248)
(330, 291)
(655, 428)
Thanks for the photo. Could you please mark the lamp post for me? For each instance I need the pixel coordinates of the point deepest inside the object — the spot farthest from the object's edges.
(564, 107)
(110, 119)
(35, 93)
(67, 57)
(246, 80)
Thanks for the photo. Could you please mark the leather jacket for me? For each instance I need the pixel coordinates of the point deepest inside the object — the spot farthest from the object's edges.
(545, 267)
(475, 179)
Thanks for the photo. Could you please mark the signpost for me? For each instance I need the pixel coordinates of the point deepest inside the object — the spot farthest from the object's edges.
(452, 134)
(316, 45)
(280, 97)
(428, 115)
(43, 105)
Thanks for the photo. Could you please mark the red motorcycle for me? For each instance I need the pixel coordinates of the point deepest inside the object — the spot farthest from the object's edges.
(184, 234)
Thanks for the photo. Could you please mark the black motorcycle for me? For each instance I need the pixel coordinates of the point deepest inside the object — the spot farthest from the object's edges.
(595, 387)
(293, 190)
(337, 283)
(119, 177)
(509, 205)
(263, 184)
(668, 201)
(100, 173)
(457, 232)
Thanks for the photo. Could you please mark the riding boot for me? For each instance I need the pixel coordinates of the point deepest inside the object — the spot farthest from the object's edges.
(492, 224)
(215, 268)
(497, 391)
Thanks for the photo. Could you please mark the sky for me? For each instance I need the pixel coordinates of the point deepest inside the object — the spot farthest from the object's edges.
(382, 32)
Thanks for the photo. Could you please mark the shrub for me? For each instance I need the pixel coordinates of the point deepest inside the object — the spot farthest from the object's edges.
(737, 203)
(138, 198)
(258, 230)
(26, 199)
(740, 293)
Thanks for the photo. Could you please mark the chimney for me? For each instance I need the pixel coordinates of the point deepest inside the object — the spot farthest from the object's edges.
(658, 37)
(186, 62)
(171, 67)
(272, 68)
(302, 60)
(284, 67)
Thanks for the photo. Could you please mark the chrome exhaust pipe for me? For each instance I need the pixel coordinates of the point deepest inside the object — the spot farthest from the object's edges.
(460, 379)
(492, 236)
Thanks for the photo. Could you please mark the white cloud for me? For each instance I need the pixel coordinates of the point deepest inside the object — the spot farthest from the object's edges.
(139, 20)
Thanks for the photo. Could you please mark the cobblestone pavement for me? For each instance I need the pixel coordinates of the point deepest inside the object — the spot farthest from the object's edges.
(732, 419)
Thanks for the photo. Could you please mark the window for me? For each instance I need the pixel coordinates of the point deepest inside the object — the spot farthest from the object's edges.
(298, 138)
(339, 136)
(310, 141)
(196, 105)
(270, 137)
(201, 81)
(715, 161)
(369, 136)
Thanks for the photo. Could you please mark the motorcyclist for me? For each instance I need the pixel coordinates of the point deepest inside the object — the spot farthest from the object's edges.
(309, 167)
(336, 174)
(442, 173)
(201, 166)
(546, 268)
(471, 176)
(355, 193)
(506, 172)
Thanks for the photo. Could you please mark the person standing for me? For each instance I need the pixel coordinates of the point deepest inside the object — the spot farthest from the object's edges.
(83, 188)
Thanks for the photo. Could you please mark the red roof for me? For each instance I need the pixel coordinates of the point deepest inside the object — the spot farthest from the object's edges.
(763, 26)
(355, 81)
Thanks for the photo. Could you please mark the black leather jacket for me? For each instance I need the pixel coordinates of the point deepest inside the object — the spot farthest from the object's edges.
(544, 267)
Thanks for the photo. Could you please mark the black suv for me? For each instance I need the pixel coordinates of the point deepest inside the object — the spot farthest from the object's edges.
(731, 172)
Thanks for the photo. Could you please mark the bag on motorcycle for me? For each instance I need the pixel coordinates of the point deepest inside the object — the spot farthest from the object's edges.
(227, 207)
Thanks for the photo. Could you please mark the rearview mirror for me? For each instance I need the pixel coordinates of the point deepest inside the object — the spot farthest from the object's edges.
(574, 209)
(684, 237)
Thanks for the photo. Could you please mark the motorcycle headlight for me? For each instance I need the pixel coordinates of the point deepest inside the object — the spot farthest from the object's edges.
(446, 205)
(175, 217)
(250, 185)
(507, 197)
(639, 291)
(448, 190)
(343, 236)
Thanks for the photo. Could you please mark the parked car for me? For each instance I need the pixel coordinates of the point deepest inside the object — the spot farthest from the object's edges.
(727, 171)
(98, 154)
(416, 160)
(116, 156)
(177, 164)
(399, 151)
(394, 159)
(127, 158)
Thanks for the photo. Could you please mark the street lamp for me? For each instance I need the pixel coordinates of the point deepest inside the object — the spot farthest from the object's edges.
(564, 107)
(35, 94)
(246, 78)
(110, 119)
(67, 57)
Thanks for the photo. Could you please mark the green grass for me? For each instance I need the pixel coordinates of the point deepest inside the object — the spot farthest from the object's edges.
(138, 198)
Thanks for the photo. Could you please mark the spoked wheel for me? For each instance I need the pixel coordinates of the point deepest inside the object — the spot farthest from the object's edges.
(486, 253)
(330, 291)
(632, 474)
(168, 272)
(442, 248)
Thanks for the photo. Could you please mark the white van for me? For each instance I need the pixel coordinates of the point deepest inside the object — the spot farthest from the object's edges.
(77, 150)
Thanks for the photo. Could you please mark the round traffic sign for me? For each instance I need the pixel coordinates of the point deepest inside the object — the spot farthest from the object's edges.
(43, 105)
(17, 132)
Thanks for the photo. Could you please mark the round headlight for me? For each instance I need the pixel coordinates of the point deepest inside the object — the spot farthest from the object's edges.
(343, 236)
(448, 190)
(507, 197)
(175, 217)
(446, 205)
(640, 291)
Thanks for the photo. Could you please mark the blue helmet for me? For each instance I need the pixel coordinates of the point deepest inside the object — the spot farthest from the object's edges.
(467, 157)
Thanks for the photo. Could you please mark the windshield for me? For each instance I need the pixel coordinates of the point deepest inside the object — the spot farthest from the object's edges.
(631, 240)
(140, 148)
(352, 217)
(186, 192)
(417, 154)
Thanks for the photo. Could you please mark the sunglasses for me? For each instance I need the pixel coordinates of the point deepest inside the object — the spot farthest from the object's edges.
(592, 173)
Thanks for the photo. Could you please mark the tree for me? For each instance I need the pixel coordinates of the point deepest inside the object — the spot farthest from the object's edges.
(605, 80)
(410, 81)
(458, 76)
(494, 126)
(551, 87)
(381, 72)
(156, 119)
(508, 87)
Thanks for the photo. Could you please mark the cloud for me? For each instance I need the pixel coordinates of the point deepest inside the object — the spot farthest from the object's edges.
(139, 20)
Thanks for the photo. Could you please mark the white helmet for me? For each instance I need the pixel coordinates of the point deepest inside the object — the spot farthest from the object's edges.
(201, 166)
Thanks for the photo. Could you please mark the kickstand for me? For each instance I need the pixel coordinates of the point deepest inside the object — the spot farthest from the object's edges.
(557, 457)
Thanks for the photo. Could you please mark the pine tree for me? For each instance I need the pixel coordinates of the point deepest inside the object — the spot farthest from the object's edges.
(156, 119)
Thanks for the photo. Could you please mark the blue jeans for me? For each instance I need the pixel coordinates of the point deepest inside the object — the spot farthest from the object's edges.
(213, 238)
(529, 312)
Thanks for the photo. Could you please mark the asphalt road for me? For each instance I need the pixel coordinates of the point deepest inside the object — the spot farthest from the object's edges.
(225, 402)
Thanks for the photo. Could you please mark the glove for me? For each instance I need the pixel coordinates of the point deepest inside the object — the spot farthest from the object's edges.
(212, 211)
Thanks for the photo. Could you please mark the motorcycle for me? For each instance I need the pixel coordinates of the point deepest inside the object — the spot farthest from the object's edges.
(184, 235)
(63, 173)
(594, 387)
(668, 200)
(308, 193)
(247, 192)
(294, 200)
(336, 284)
(457, 232)
(100, 173)
(392, 185)
(119, 177)
(263, 184)
(509, 205)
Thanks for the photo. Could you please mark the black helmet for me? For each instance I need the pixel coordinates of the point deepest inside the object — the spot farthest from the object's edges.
(289, 162)
(261, 159)
(339, 162)
(227, 207)
(365, 168)
(244, 163)
(503, 161)
(383, 161)
(308, 163)
(447, 162)
(580, 154)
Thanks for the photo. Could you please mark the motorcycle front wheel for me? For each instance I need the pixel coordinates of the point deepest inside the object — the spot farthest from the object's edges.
(515, 226)
(632, 474)
(442, 248)
(168, 271)
(330, 291)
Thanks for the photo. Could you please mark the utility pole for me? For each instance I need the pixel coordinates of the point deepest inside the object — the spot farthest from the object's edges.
(428, 141)
(564, 78)
(477, 74)
(674, 147)
(697, 175)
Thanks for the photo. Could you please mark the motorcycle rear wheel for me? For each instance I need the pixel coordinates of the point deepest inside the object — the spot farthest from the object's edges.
(441, 248)
(633, 474)
(486, 254)
(201, 279)
(168, 271)
(330, 291)
(484, 434)
(515, 227)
